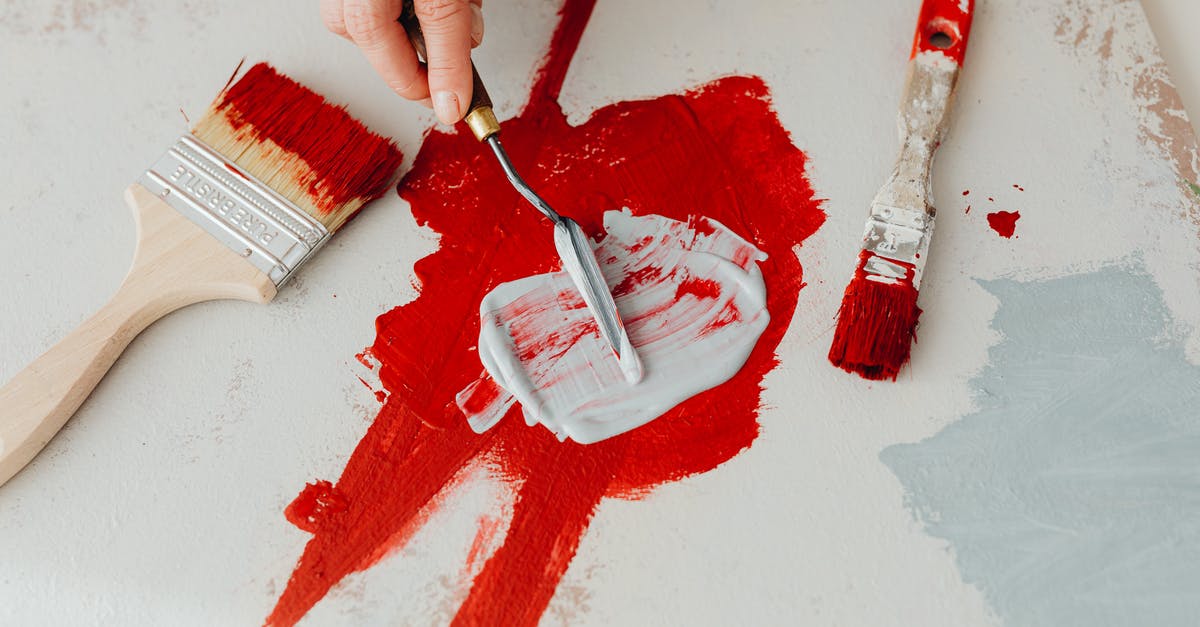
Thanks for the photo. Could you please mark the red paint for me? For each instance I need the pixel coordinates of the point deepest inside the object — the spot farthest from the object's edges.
(700, 288)
(944, 17)
(1018, 187)
(347, 160)
(1004, 223)
(718, 151)
(319, 502)
(968, 209)
(966, 192)
(876, 325)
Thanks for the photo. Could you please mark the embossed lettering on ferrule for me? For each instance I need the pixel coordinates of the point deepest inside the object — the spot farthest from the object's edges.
(242, 212)
(223, 204)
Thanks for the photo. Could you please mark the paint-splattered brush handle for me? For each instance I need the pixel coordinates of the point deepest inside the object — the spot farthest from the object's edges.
(480, 117)
(902, 213)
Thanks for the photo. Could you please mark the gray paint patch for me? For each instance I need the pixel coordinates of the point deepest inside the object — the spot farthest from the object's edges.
(1072, 497)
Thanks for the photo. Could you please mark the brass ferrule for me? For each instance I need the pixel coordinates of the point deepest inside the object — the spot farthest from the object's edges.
(483, 123)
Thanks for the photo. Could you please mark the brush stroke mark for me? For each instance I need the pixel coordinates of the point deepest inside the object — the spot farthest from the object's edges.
(1072, 497)
(1120, 49)
(717, 151)
(693, 300)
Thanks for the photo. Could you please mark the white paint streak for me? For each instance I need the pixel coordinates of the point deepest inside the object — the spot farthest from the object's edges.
(693, 300)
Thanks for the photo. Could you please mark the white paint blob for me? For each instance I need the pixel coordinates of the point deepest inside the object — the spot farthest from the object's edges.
(692, 298)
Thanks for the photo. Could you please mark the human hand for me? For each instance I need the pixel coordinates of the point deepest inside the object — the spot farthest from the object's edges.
(451, 29)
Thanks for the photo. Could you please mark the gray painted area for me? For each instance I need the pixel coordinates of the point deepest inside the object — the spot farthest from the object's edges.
(1072, 497)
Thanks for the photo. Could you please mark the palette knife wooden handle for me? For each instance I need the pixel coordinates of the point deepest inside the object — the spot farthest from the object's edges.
(480, 117)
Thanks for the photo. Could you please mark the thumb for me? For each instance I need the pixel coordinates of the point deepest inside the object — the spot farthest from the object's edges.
(447, 26)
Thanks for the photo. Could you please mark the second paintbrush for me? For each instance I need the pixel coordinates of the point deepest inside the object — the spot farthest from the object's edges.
(578, 259)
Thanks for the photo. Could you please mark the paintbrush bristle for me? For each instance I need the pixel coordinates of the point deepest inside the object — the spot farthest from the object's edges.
(309, 151)
(876, 326)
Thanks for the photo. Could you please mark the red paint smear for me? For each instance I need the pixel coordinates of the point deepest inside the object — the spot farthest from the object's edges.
(968, 209)
(1004, 223)
(700, 288)
(877, 324)
(718, 151)
(948, 18)
(348, 161)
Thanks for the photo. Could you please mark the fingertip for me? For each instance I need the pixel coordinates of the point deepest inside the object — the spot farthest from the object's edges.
(448, 107)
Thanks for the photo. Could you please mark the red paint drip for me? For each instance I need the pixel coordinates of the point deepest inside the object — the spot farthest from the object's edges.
(1004, 223)
(876, 325)
(718, 151)
(347, 160)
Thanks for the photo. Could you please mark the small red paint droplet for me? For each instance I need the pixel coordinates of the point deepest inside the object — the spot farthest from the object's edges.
(968, 209)
(990, 199)
(1004, 223)
(966, 192)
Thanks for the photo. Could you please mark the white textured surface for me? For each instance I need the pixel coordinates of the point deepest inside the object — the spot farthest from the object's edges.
(161, 501)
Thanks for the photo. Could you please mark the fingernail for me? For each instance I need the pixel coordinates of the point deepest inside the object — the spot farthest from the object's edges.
(445, 105)
(476, 25)
(426, 102)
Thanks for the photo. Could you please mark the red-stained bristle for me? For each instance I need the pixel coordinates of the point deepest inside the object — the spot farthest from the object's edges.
(876, 326)
(348, 160)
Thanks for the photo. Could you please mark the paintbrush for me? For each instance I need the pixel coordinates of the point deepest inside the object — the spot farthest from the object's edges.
(229, 212)
(878, 317)
(574, 249)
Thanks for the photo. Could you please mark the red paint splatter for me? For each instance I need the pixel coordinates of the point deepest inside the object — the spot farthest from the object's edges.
(966, 192)
(1004, 223)
(717, 151)
(348, 161)
(1018, 187)
(968, 212)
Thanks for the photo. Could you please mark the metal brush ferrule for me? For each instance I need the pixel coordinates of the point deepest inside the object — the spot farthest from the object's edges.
(897, 235)
(242, 212)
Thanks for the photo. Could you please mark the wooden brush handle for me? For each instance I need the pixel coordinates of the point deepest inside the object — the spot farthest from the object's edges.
(176, 264)
(944, 26)
(479, 115)
(930, 83)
